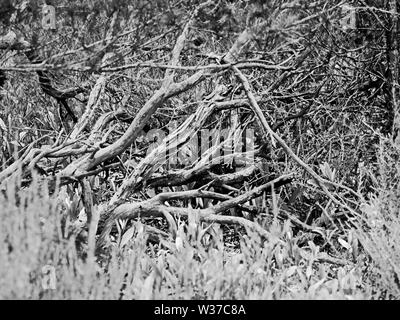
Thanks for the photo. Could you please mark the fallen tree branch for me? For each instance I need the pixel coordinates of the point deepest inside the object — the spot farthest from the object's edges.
(156, 207)
(202, 174)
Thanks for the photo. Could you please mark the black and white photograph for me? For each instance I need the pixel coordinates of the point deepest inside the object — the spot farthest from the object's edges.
(218, 152)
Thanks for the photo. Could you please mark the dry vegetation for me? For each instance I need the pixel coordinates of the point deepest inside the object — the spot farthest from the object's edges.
(199, 150)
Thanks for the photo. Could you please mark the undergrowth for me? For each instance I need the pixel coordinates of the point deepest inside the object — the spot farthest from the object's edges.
(42, 257)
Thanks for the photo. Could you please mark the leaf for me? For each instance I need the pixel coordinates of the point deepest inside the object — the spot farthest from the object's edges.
(344, 244)
(22, 135)
(96, 182)
(128, 235)
(15, 143)
(273, 142)
(3, 125)
(68, 202)
(309, 271)
(82, 217)
(279, 258)
(304, 254)
(291, 271)
(327, 171)
(179, 243)
(151, 192)
(313, 247)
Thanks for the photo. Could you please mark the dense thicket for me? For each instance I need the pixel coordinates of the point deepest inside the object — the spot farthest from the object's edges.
(246, 113)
